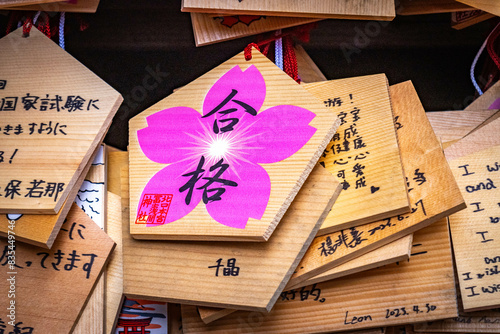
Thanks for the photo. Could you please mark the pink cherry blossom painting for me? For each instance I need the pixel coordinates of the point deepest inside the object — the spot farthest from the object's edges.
(215, 156)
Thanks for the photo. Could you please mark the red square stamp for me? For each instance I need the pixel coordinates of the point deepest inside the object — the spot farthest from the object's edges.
(153, 209)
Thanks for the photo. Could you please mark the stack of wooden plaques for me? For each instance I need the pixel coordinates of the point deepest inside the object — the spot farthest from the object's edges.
(220, 20)
(377, 201)
(55, 114)
(75, 6)
(217, 21)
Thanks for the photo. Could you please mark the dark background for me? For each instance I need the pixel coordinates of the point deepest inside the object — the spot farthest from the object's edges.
(126, 37)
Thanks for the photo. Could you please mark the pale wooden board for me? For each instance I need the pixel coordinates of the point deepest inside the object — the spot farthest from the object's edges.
(475, 322)
(117, 160)
(308, 70)
(42, 230)
(48, 300)
(82, 6)
(93, 194)
(15, 3)
(420, 151)
(427, 279)
(345, 9)
(393, 252)
(149, 274)
(474, 233)
(487, 99)
(198, 224)
(483, 138)
(417, 7)
(461, 20)
(455, 124)
(210, 314)
(208, 29)
(384, 192)
(54, 72)
(114, 270)
(92, 318)
(490, 6)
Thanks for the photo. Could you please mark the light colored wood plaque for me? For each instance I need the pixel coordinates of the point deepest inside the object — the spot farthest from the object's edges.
(42, 230)
(308, 70)
(417, 7)
(450, 126)
(229, 274)
(396, 251)
(393, 252)
(208, 29)
(422, 289)
(114, 270)
(92, 199)
(490, 6)
(364, 153)
(15, 3)
(464, 19)
(344, 9)
(474, 233)
(482, 138)
(474, 322)
(220, 175)
(56, 112)
(210, 314)
(92, 318)
(425, 166)
(52, 286)
(81, 6)
(486, 100)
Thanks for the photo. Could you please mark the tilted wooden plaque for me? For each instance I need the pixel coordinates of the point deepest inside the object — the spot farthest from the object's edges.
(223, 157)
(55, 112)
(229, 274)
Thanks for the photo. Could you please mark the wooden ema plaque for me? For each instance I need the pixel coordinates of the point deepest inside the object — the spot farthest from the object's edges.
(393, 252)
(308, 70)
(490, 6)
(117, 161)
(244, 133)
(419, 7)
(474, 231)
(422, 289)
(42, 230)
(464, 19)
(343, 9)
(15, 3)
(399, 250)
(52, 287)
(450, 126)
(487, 100)
(427, 171)
(473, 322)
(80, 6)
(229, 274)
(364, 153)
(55, 112)
(209, 29)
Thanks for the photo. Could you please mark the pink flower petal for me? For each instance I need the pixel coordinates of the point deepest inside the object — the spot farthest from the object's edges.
(167, 182)
(279, 132)
(244, 91)
(167, 138)
(247, 200)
